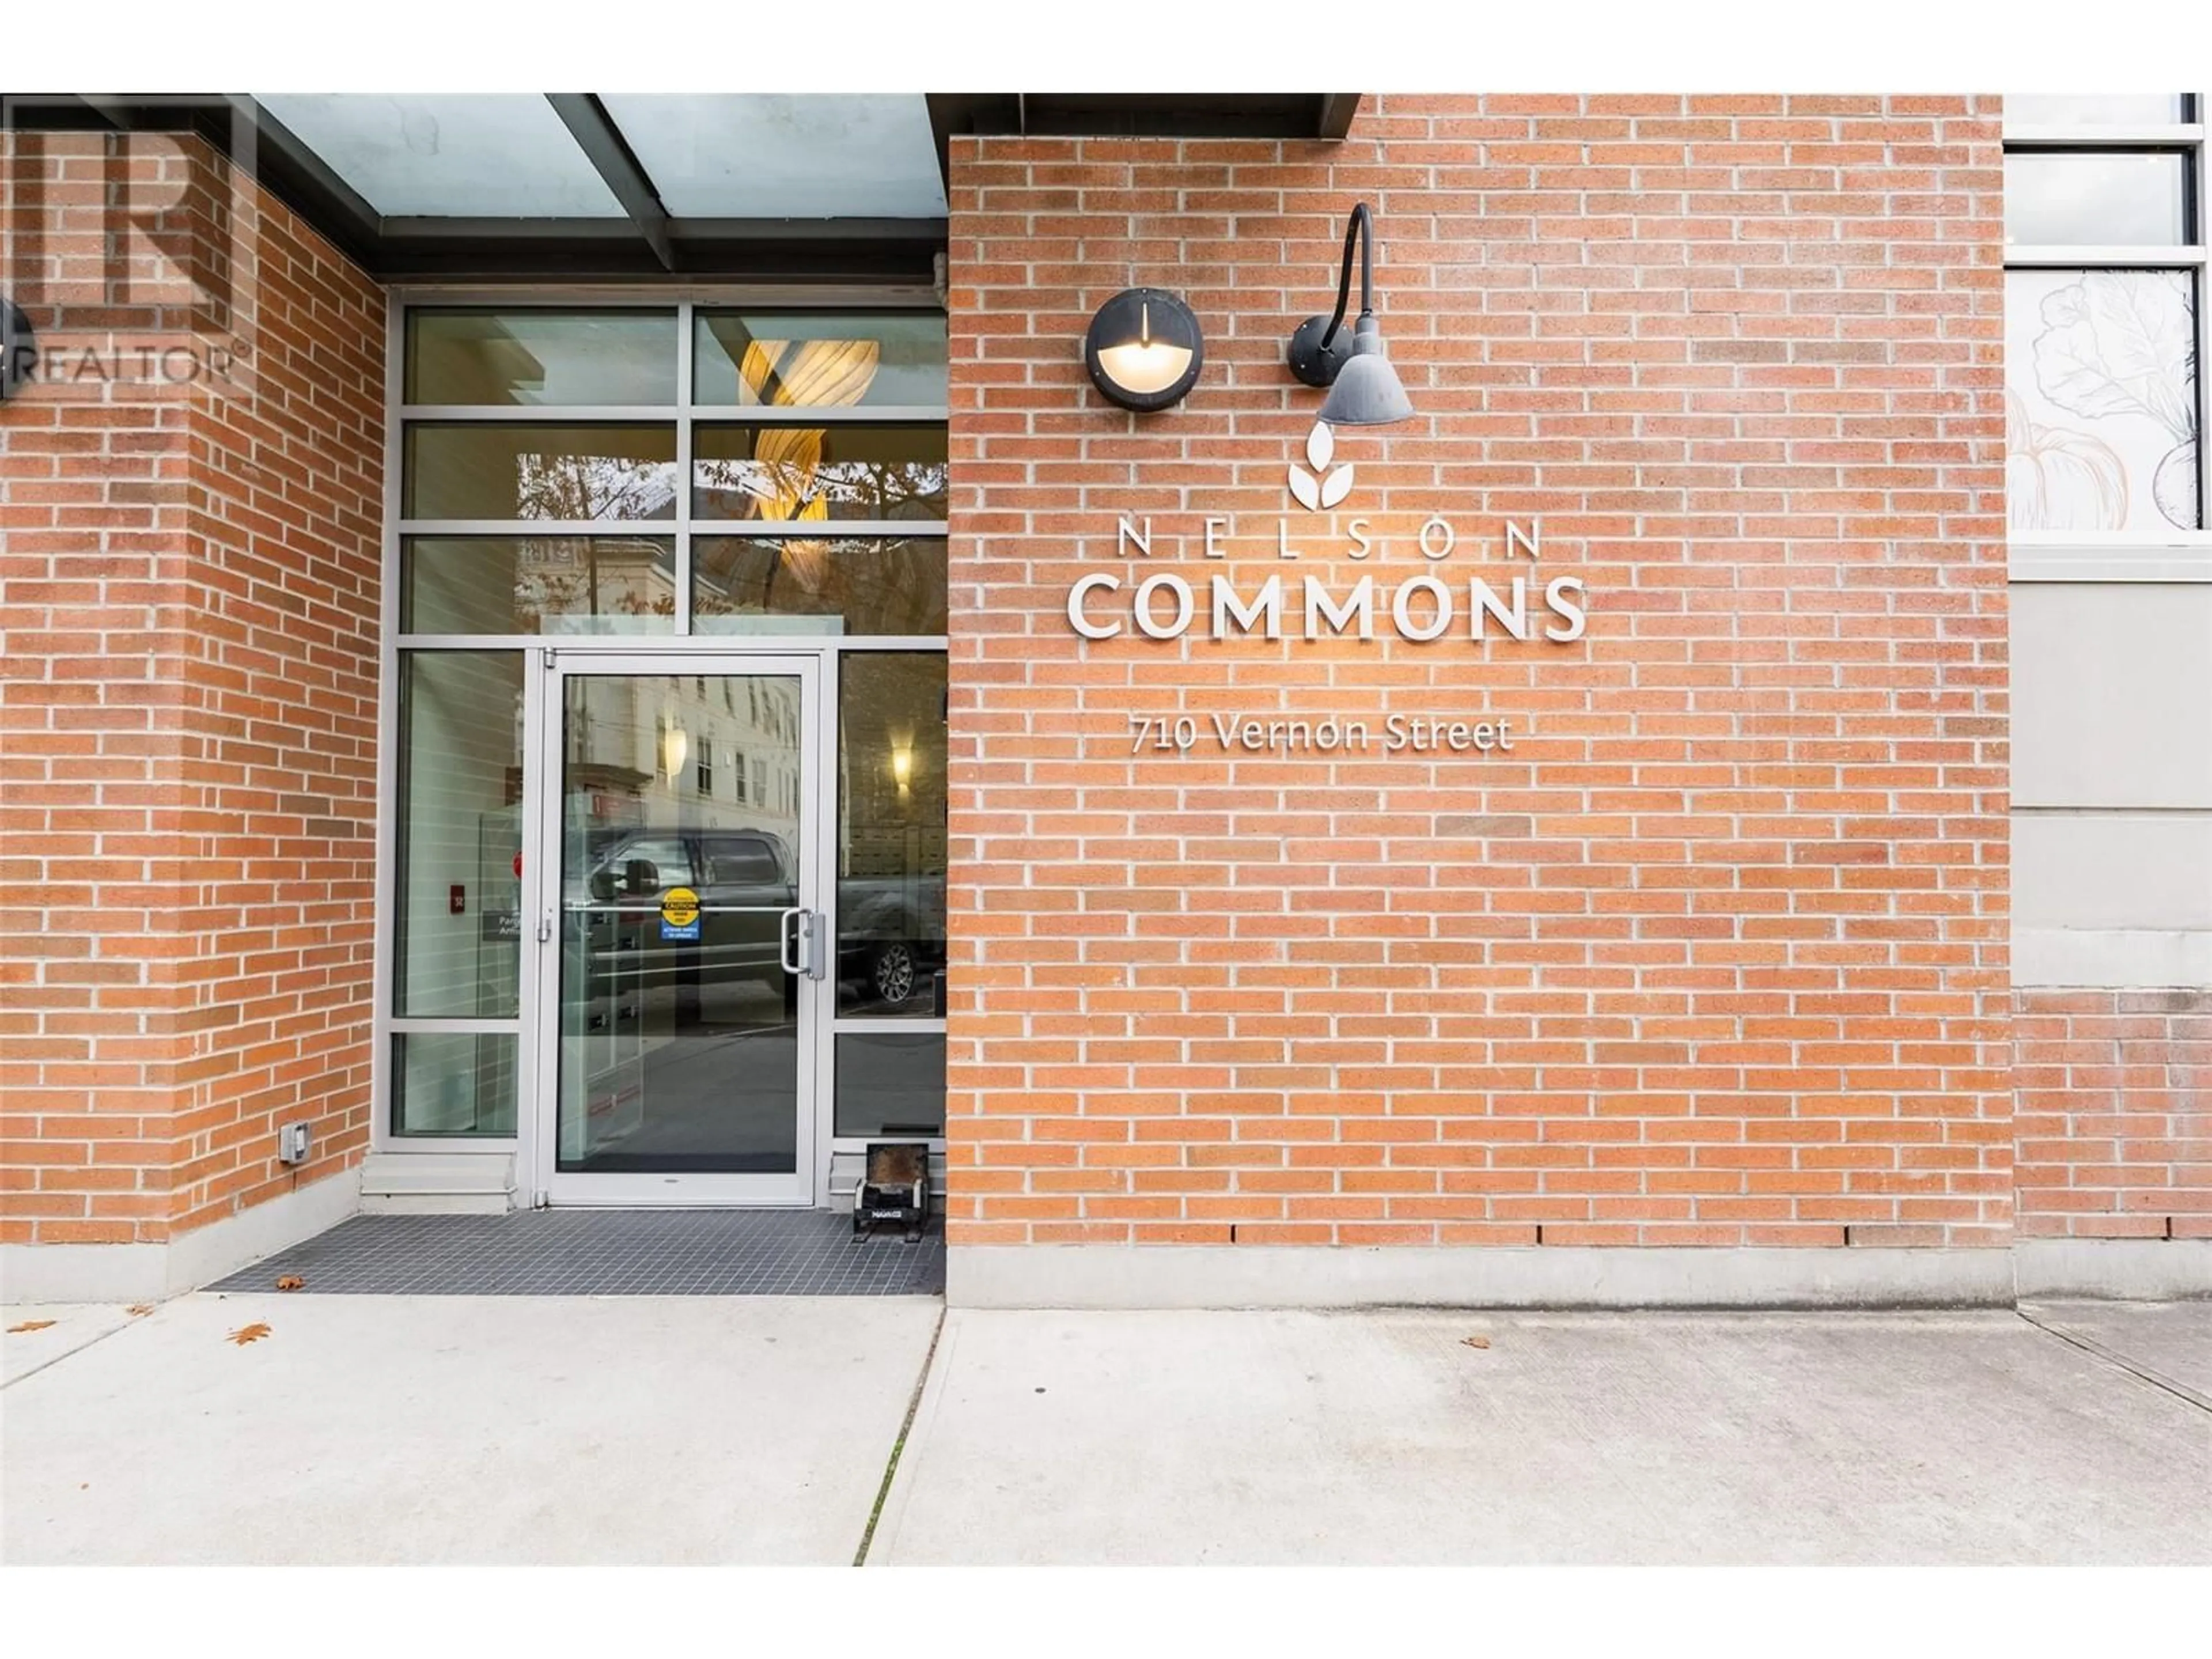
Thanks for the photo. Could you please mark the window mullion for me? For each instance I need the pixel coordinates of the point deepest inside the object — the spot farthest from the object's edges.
(686, 373)
(2200, 229)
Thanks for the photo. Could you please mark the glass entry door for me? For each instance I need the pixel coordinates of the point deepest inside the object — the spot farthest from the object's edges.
(687, 953)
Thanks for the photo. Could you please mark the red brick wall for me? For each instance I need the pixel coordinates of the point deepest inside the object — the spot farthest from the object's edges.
(189, 592)
(1719, 956)
(2113, 1098)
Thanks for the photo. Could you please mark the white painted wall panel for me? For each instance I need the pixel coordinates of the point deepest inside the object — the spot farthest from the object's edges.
(2112, 694)
(2112, 898)
(2127, 870)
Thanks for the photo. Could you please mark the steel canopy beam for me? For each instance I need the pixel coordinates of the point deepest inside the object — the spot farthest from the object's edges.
(1334, 120)
(1143, 114)
(1325, 115)
(604, 146)
(796, 250)
(951, 113)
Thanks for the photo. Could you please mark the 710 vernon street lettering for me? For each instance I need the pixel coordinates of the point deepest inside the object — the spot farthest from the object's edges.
(1417, 733)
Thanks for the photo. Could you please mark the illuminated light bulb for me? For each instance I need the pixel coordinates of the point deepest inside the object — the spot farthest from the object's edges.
(1144, 365)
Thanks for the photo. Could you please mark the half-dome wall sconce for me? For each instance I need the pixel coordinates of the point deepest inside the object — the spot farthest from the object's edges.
(1143, 349)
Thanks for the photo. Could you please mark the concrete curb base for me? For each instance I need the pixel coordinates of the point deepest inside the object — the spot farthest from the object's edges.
(1209, 1276)
(2139, 1269)
(148, 1273)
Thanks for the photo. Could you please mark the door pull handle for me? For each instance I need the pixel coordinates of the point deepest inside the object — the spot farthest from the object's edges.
(787, 927)
(799, 942)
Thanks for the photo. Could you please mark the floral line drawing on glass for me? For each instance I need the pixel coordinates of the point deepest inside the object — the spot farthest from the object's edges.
(2059, 479)
(2113, 343)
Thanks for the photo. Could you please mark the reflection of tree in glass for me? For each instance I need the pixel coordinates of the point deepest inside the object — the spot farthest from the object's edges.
(573, 486)
(797, 473)
(892, 586)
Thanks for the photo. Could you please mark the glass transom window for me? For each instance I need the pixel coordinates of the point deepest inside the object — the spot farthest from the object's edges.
(582, 471)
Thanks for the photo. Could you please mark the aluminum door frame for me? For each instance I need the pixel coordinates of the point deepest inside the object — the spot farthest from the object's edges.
(543, 835)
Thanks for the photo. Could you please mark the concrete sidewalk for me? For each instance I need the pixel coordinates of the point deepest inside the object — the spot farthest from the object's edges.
(1282, 1436)
(472, 1430)
(758, 1430)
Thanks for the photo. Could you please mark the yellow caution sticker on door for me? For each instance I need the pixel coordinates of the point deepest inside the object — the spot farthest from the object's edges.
(679, 914)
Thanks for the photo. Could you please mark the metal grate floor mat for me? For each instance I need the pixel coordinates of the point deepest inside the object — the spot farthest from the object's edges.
(607, 1253)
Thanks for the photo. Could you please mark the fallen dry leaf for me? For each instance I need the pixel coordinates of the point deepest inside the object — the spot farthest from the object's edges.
(138, 1310)
(245, 1333)
(290, 1282)
(30, 1325)
(1476, 1341)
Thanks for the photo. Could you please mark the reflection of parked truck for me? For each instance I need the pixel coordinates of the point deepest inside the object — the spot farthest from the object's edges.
(891, 929)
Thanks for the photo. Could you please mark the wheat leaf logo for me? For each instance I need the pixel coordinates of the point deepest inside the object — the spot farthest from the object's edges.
(1324, 486)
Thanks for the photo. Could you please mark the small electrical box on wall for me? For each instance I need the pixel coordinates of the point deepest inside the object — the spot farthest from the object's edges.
(292, 1142)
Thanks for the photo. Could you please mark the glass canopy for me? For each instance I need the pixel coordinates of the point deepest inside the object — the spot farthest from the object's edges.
(775, 156)
(722, 155)
(480, 156)
(493, 188)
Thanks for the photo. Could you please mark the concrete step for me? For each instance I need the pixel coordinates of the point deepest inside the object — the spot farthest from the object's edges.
(438, 1183)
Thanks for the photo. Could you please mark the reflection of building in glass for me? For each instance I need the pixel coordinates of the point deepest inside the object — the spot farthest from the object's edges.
(892, 764)
(561, 582)
(640, 748)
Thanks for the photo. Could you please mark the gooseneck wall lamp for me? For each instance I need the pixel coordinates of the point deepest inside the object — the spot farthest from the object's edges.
(1362, 388)
(1143, 349)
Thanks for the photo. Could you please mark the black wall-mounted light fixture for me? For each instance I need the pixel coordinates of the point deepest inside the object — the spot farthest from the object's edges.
(18, 349)
(1362, 388)
(1143, 349)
